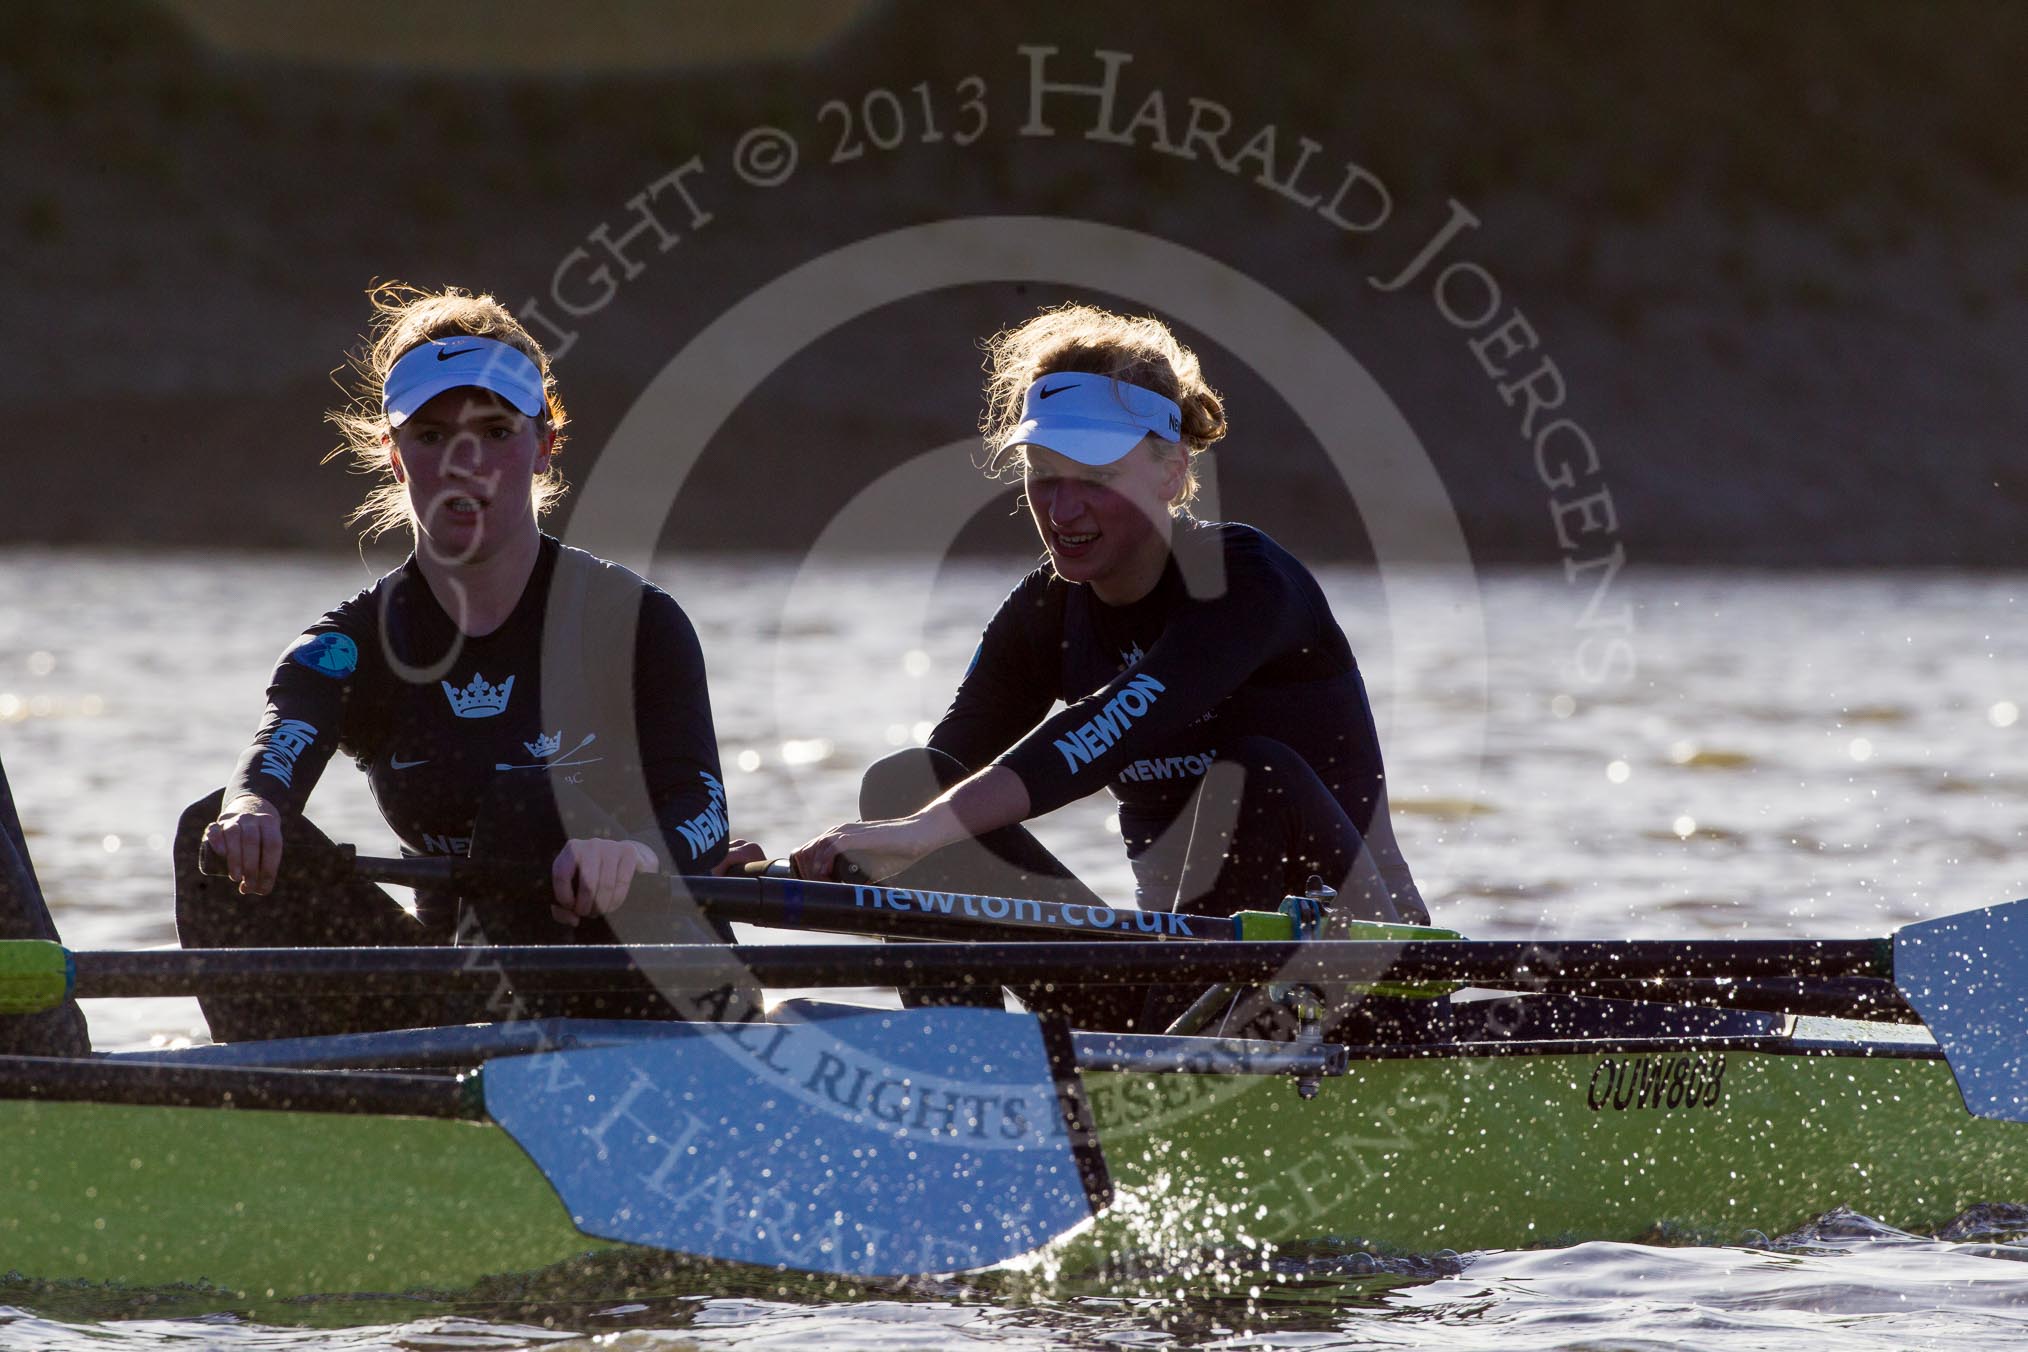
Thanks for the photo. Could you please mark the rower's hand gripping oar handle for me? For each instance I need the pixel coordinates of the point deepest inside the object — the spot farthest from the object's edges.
(844, 871)
(211, 862)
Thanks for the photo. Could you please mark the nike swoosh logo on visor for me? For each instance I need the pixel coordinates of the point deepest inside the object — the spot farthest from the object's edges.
(445, 354)
(1045, 391)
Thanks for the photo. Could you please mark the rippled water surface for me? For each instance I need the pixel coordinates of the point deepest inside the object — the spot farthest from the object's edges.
(1769, 755)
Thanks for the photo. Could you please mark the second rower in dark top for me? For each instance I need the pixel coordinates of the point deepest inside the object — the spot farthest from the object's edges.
(1206, 683)
(1160, 690)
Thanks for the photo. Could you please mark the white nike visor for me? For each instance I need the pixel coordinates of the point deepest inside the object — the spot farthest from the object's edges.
(438, 364)
(1093, 420)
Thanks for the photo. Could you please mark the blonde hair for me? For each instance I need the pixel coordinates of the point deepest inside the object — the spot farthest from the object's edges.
(404, 316)
(1083, 338)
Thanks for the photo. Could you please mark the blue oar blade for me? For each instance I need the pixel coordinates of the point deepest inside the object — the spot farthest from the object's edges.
(876, 1144)
(1967, 976)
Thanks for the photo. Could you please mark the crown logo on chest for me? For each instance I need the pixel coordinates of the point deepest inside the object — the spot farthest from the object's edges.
(478, 699)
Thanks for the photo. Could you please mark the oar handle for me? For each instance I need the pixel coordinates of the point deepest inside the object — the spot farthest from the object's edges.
(771, 894)
(435, 871)
(844, 871)
(345, 861)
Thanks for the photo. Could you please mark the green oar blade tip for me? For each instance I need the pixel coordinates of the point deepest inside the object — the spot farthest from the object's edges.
(35, 975)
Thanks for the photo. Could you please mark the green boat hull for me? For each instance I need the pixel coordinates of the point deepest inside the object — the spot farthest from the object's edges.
(270, 1204)
(1505, 1147)
(1510, 1151)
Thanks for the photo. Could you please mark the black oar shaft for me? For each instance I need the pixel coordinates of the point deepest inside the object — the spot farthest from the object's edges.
(98, 1080)
(1866, 998)
(1472, 962)
(354, 971)
(922, 913)
(860, 908)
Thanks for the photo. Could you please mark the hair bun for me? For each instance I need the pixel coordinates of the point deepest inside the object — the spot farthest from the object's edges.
(1203, 416)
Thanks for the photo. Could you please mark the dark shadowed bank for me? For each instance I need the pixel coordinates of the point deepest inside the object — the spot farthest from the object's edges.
(1772, 252)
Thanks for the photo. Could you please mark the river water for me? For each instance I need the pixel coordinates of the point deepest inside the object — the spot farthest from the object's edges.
(1698, 753)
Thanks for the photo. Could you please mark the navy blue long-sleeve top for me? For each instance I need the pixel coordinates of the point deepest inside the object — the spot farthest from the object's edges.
(1236, 639)
(435, 716)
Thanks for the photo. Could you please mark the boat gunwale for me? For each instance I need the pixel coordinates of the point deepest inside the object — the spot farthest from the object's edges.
(444, 1094)
(97, 1079)
(1780, 1044)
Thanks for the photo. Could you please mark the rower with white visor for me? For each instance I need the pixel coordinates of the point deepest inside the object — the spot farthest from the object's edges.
(1206, 684)
(492, 679)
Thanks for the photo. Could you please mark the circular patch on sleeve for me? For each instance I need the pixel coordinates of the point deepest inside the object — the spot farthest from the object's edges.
(333, 655)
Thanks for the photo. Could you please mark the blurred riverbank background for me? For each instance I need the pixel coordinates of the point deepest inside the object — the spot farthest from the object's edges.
(1773, 253)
